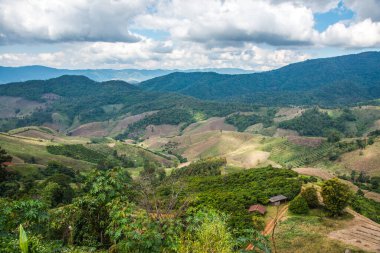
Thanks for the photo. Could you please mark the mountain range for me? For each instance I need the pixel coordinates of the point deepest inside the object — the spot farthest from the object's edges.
(25, 73)
(329, 81)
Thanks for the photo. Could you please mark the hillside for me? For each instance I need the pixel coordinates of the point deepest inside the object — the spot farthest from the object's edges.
(67, 102)
(330, 81)
(25, 73)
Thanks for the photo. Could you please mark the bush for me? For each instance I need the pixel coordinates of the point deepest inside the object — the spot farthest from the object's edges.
(299, 205)
(258, 223)
(336, 196)
(311, 197)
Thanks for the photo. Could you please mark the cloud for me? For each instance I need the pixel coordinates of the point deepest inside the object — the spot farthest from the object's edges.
(319, 6)
(215, 21)
(70, 20)
(363, 34)
(150, 54)
(365, 9)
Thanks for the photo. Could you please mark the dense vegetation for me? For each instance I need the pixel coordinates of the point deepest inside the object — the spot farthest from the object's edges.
(204, 167)
(242, 121)
(348, 123)
(70, 99)
(242, 190)
(77, 151)
(331, 81)
(63, 210)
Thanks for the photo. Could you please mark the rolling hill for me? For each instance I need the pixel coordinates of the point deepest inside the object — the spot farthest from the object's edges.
(330, 81)
(25, 73)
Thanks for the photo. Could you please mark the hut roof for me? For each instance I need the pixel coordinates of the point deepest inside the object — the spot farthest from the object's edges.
(277, 198)
(257, 208)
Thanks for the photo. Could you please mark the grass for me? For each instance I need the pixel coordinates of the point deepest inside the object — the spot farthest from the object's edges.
(291, 155)
(29, 150)
(308, 233)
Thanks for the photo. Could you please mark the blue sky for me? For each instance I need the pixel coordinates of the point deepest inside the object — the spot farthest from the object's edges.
(179, 34)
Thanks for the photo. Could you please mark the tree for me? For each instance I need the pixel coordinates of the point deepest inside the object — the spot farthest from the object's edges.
(336, 196)
(4, 158)
(207, 232)
(311, 197)
(333, 136)
(299, 205)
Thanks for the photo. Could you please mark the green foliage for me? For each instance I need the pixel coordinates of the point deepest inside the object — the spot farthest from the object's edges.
(23, 240)
(336, 196)
(242, 121)
(331, 81)
(207, 232)
(299, 205)
(131, 230)
(258, 222)
(76, 151)
(311, 197)
(242, 189)
(366, 207)
(203, 167)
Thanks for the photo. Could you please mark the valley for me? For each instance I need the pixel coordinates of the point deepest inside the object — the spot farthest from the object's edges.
(113, 167)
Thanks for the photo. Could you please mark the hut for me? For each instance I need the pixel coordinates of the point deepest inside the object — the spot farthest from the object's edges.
(257, 208)
(276, 200)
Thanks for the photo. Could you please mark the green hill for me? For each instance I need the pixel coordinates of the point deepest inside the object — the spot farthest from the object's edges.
(331, 81)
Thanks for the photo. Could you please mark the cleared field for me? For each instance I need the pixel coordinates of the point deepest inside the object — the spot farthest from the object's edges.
(367, 160)
(107, 128)
(360, 232)
(288, 113)
(301, 233)
(211, 124)
(240, 149)
(16, 106)
(28, 150)
(45, 134)
(292, 155)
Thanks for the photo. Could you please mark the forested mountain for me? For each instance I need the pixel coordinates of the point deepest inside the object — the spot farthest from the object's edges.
(329, 81)
(81, 100)
(25, 73)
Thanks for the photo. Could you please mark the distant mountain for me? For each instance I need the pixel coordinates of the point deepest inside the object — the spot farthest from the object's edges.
(329, 81)
(69, 101)
(18, 74)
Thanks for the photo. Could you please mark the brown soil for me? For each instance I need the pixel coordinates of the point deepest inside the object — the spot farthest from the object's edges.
(211, 124)
(360, 232)
(305, 141)
(288, 113)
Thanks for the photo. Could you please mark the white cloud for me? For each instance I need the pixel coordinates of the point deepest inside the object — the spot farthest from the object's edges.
(149, 54)
(227, 21)
(365, 9)
(314, 5)
(69, 20)
(365, 33)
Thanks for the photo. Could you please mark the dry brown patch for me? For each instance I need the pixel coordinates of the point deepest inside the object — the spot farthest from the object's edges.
(125, 122)
(211, 124)
(288, 113)
(367, 160)
(94, 129)
(360, 232)
(316, 172)
(161, 131)
(9, 105)
(305, 141)
(285, 132)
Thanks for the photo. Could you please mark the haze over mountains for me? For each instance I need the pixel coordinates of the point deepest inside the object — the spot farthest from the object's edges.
(25, 73)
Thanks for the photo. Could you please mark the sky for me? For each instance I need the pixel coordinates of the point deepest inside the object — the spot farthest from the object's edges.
(256, 35)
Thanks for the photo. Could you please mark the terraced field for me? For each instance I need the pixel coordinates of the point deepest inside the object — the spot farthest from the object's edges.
(291, 155)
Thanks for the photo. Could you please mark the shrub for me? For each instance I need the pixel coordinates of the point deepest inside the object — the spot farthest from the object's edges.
(336, 196)
(299, 205)
(311, 197)
(258, 223)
